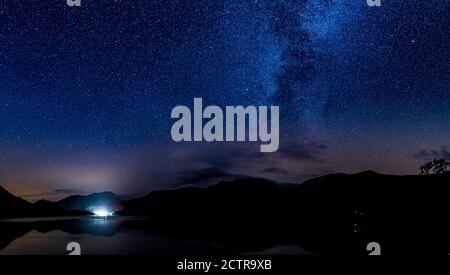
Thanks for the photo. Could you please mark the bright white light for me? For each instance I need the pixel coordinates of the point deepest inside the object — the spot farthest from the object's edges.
(102, 213)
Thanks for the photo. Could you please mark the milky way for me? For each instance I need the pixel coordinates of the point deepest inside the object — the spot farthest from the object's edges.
(86, 92)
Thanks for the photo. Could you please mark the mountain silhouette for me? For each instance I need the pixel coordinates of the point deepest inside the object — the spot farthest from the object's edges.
(407, 213)
(106, 200)
(12, 206)
(337, 213)
(225, 198)
(45, 208)
(15, 207)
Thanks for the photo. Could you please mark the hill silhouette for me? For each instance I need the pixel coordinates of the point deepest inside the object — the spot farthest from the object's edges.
(15, 207)
(105, 199)
(45, 208)
(337, 213)
(409, 213)
(246, 200)
(12, 206)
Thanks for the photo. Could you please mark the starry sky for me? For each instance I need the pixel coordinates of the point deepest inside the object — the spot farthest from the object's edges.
(87, 92)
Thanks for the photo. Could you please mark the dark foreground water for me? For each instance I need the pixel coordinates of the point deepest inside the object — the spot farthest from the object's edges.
(112, 236)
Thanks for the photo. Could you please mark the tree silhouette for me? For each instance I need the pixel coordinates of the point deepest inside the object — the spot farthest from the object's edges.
(436, 166)
(426, 168)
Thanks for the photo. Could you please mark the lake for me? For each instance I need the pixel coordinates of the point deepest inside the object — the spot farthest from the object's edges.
(114, 236)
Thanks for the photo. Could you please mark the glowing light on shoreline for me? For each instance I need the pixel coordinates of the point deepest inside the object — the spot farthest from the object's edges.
(102, 213)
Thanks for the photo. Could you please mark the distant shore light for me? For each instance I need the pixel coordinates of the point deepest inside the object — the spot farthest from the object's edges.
(103, 213)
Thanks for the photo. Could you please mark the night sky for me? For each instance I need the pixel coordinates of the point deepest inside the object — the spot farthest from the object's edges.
(87, 92)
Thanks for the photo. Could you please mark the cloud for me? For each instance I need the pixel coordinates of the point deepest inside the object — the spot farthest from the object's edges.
(206, 164)
(299, 151)
(238, 156)
(443, 152)
(206, 176)
(224, 160)
(64, 191)
(274, 170)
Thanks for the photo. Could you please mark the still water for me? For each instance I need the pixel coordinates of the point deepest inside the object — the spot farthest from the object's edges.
(111, 236)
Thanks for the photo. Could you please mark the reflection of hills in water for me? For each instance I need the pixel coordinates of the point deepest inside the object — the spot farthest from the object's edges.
(339, 211)
(144, 230)
(13, 229)
(336, 213)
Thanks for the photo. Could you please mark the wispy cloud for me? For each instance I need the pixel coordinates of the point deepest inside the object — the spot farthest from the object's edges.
(443, 152)
(206, 176)
(274, 170)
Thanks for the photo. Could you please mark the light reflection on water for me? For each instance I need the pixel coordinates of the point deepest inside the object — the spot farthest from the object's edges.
(101, 236)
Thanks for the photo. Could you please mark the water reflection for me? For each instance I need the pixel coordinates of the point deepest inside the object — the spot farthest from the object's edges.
(108, 236)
